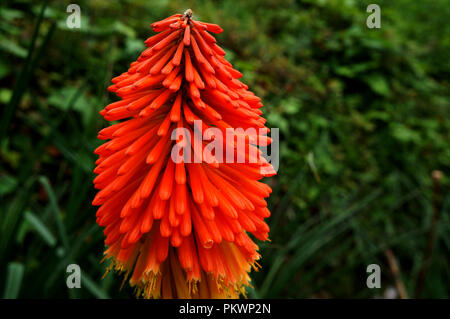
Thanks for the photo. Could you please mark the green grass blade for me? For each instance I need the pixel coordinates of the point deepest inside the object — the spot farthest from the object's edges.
(56, 211)
(38, 225)
(14, 276)
(70, 256)
(10, 220)
(24, 76)
(92, 287)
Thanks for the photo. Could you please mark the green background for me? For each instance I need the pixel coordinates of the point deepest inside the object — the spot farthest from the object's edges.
(363, 117)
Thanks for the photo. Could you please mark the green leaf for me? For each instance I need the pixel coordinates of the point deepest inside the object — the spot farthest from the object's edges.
(4, 69)
(12, 214)
(276, 120)
(12, 47)
(291, 106)
(56, 211)
(14, 276)
(5, 95)
(7, 184)
(38, 225)
(83, 104)
(124, 29)
(378, 84)
(404, 133)
(25, 73)
(92, 287)
(11, 14)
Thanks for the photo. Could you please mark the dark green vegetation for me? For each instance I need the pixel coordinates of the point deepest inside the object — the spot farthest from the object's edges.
(364, 120)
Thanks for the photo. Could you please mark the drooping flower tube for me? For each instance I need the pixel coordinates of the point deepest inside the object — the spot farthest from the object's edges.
(181, 228)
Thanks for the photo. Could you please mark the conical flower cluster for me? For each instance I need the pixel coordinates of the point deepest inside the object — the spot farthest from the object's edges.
(180, 228)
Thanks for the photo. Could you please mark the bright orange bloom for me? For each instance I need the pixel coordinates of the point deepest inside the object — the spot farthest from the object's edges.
(181, 229)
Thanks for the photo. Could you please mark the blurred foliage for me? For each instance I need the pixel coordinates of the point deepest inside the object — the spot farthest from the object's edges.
(363, 117)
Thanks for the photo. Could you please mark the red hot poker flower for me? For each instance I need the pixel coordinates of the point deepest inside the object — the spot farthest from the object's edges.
(180, 228)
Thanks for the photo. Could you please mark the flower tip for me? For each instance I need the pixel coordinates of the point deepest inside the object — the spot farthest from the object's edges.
(188, 13)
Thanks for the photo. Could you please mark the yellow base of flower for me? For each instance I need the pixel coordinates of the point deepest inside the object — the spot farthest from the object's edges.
(171, 281)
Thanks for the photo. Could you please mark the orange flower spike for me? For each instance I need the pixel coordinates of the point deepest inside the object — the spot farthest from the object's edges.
(180, 228)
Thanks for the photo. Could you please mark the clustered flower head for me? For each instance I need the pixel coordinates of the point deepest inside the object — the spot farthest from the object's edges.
(181, 229)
